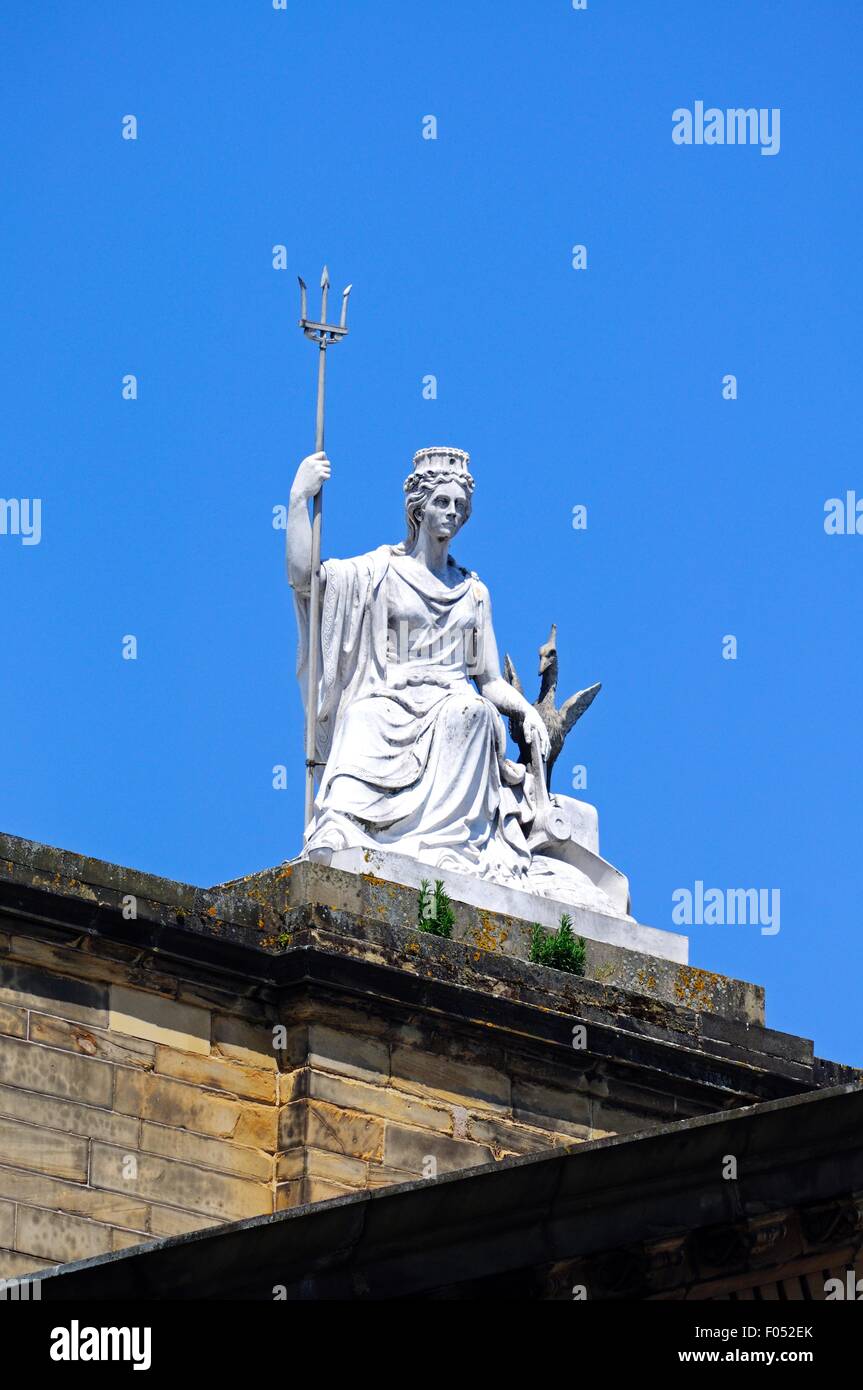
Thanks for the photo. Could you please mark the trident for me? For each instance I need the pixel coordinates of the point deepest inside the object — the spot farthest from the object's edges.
(323, 334)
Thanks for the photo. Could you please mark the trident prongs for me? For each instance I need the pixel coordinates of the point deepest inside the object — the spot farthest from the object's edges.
(325, 289)
(345, 294)
(320, 331)
(323, 334)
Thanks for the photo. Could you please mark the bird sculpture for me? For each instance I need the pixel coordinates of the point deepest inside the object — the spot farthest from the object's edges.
(558, 722)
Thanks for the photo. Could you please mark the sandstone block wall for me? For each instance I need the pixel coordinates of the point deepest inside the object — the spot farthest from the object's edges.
(136, 1104)
(126, 1114)
(227, 1055)
(370, 1099)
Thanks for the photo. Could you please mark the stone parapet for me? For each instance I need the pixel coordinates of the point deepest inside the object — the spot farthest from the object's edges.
(173, 1058)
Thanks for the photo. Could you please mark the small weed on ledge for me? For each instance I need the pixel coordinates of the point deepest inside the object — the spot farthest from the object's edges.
(560, 950)
(434, 910)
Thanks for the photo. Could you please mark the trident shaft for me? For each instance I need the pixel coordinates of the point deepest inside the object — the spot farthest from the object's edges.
(323, 334)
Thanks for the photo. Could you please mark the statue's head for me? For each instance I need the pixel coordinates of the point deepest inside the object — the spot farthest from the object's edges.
(437, 494)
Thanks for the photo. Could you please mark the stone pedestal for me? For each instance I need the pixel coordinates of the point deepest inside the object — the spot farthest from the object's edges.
(496, 900)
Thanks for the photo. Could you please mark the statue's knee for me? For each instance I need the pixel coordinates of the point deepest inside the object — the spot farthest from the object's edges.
(463, 713)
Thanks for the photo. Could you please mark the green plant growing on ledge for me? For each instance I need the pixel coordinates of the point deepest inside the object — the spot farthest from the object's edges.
(435, 912)
(560, 950)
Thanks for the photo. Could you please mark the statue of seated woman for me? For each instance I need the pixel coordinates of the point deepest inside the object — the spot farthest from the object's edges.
(409, 735)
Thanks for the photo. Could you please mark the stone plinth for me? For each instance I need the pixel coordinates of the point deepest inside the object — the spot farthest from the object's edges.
(615, 929)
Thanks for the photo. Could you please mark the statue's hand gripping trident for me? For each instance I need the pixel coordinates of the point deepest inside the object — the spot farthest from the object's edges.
(323, 334)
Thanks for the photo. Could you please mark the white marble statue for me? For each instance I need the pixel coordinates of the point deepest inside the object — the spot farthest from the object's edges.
(409, 729)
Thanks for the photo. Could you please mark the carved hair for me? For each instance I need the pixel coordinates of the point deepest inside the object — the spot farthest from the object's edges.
(419, 488)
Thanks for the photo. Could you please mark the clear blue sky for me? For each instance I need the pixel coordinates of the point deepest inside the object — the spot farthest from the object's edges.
(602, 387)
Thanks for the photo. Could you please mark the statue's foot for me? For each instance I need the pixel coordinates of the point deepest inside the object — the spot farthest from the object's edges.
(321, 854)
(322, 844)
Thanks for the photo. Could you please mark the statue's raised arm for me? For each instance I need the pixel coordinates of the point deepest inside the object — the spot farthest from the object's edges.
(311, 475)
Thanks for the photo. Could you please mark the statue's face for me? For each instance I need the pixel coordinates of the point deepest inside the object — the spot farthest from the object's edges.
(445, 512)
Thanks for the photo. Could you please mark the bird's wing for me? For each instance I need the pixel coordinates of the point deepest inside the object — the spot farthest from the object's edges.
(514, 720)
(572, 709)
(510, 674)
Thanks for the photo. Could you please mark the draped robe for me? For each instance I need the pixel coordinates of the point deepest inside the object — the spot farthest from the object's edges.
(412, 753)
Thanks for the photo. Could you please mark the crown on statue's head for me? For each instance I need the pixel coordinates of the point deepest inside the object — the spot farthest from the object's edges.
(440, 460)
